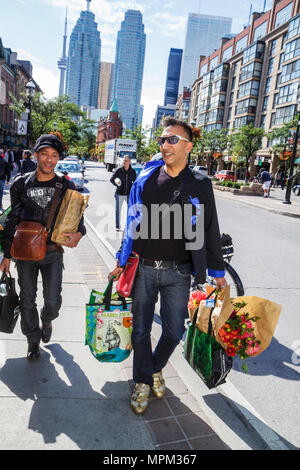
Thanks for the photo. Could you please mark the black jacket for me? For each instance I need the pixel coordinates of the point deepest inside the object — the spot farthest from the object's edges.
(24, 208)
(27, 165)
(5, 170)
(127, 179)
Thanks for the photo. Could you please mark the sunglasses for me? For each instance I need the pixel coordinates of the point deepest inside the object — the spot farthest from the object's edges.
(172, 139)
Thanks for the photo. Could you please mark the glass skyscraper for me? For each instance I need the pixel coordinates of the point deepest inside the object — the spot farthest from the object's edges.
(129, 68)
(173, 76)
(203, 35)
(83, 66)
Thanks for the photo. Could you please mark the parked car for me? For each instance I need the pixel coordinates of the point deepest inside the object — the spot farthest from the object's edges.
(73, 171)
(225, 175)
(203, 170)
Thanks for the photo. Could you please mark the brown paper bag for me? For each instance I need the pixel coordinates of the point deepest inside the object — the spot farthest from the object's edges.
(268, 313)
(222, 311)
(69, 215)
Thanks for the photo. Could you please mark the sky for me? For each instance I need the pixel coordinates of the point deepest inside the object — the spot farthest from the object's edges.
(34, 29)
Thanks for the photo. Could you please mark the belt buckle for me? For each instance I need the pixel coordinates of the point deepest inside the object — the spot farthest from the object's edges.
(157, 264)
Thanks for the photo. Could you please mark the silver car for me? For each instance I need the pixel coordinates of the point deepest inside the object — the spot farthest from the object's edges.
(72, 170)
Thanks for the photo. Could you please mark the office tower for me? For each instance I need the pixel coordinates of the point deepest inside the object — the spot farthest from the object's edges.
(62, 63)
(83, 65)
(129, 67)
(105, 85)
(203, 35)
(173, 76)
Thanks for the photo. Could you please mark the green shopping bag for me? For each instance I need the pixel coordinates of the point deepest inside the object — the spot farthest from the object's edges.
(205, 355)
(108, 326)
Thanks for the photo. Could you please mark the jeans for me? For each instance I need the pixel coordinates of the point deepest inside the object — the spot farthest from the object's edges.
(119, 203)
(173, 285)
(51, 268)
(2, 185)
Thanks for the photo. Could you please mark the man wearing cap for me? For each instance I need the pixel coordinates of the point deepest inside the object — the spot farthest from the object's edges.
(31, 197)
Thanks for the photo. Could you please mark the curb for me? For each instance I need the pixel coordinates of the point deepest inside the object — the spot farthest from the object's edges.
(259, 206)
(239, 405)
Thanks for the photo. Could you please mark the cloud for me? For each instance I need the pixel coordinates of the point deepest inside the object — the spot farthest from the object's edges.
(169, 25)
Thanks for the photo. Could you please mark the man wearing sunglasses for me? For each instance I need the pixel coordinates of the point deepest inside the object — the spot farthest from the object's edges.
(167, 262)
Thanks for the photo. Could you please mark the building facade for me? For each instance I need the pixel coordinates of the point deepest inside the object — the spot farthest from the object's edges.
(252, 78)
(161, 112)
(83, 66)
(110, 127)
(129, 68)
(105, 85)
(203, 35)
(173, 76)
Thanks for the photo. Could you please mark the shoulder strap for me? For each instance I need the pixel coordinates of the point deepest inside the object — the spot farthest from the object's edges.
(55, 201)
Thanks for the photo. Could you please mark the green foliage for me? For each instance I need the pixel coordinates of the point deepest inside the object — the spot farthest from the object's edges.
(71, 122)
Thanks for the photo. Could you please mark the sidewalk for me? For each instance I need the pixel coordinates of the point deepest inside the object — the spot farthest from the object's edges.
(274, 203)
(68, 400)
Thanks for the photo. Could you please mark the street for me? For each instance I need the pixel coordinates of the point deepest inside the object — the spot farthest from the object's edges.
(267, 260)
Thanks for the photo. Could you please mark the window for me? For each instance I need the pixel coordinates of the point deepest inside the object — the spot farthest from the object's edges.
(216, 115)
(248, 88)
(268, 82)
(205, 92)
(241, 44)
(256, 51)
(263, 120)
(273, 47)
(292, 49)
(265, 103)
(287, 93)
(206, 79)
(221, 71)
(227, 53)
(283, 115)
(260, 31)
(217, 100)
(233, 82)
(246, 106)
(294, 28)
(203, 69)
(213, 63)
(220, 85)
(290, 71)
(284, 15)
(243, 121)
(253, 69)
(270, 66)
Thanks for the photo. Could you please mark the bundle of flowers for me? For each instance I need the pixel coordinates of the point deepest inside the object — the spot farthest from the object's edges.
(59, 135)
(217, 155)
(195, 299)
(237, 335)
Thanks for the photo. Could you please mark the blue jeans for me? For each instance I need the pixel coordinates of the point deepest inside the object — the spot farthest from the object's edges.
(2, 184)
(119, 203)
(173, 285)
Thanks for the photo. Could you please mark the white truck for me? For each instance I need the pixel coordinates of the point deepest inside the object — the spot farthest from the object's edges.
(115, 150)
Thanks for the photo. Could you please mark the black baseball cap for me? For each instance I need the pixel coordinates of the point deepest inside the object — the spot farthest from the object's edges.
(49, 140)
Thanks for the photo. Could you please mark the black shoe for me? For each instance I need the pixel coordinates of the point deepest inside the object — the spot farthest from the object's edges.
(33, 352)
(46, 332)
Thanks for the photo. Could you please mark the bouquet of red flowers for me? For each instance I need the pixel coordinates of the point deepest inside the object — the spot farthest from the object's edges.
(237, 335)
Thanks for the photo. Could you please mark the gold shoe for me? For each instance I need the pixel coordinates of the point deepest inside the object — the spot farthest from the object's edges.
(140, 398)
(159, 386)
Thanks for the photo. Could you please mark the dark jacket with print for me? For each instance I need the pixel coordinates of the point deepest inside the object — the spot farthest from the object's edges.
(23, 208)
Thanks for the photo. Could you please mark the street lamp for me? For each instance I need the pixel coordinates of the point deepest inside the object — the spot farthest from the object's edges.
(30, 89)
(293, 157)
(55, 126)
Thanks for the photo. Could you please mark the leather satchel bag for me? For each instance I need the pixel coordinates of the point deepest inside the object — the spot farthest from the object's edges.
(30, 240)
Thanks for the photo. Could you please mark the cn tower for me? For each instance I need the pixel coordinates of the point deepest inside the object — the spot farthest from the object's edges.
(62, 63)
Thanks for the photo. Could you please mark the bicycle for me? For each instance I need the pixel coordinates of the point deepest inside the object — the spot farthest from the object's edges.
(232, 277)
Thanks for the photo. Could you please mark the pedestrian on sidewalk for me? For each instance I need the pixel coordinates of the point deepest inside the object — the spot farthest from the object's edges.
(27, 165)
(123, 178)
(31, 198)
(167, 261)
(4, 176)
(265, 179)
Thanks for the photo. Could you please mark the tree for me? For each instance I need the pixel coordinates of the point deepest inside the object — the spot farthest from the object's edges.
(70, 121)
(214, 141)
(247, 141)
(279, 137)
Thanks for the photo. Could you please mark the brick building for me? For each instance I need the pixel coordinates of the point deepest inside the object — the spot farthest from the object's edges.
(252, 78)
(110, 127)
